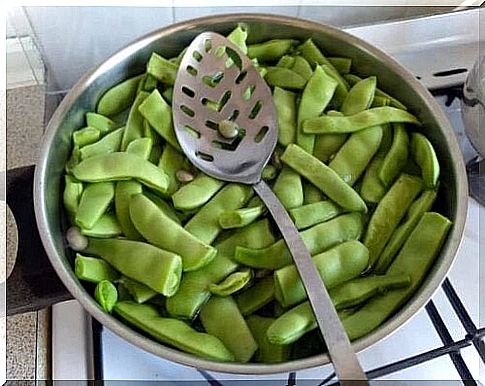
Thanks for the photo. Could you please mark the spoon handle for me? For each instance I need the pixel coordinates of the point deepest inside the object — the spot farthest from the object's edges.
(344, 359)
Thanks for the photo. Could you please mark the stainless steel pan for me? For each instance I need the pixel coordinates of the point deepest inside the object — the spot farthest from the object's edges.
(168, 41)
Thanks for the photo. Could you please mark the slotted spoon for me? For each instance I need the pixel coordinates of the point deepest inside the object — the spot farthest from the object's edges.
(216, 86)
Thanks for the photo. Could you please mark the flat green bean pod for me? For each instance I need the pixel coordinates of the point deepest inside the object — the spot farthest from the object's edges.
(238, 36)
(134, 126)
(288, 188)
(267, 351)
(142, 147)
(73, 190)
(255, 297)
(389, 213)
(395, 160)
(284, 78)
(240, 217)
(119, 97)
(421, 205)
(172, 331)
(360, 96)
(197, 192)
(162, 69)
(233, 283)
(316, 96)
(160, 230)
(110, 143)
(425, 156)
(311, 194)
(414, 259)
(221, 318)
(349, 124)
(171, 162)
(285, 103)
(194, 287)
(106, 295)
(93, 270)
(311, 214)
(205, 223)
(158, 269)
(106, 226)
(121, 166)
(85, 136)
(324, 178)
(100, 122)
(95, 199)
(140, 292)
(159, 114)
(335, 266)
(317, 239)
(342, 65)
(164, 207)
(271, 50)
(123, 192)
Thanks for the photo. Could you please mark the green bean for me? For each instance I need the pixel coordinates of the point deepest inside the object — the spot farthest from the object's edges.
(317, 94)
(72, 194)
(360, 96)
(342, 65)
(149, 132)
(349, 124)
(357, 291)
(119, 97)
(421, 205)
(100, 122)
(205, 223)
(85, 136)
(238, 36)
(168, 94)
(397, 156)
(121, 166)
(159, 114)
(106, 295)
(160, 230)
(256, 297)
(110, 143)
(173, 332)
(142, 147)
(372, 189)
(380, 101)
(158, 269)
(93, 270)
(272, 50)
(269, 173)
(106, 226)
(197, 192)
(164, 207)
(170, 162)
(134, 126)
(286, 61)
(285, 103)
(221, 318)
(162, 69)
(414, 259)
(284, 78)
(155, 154)
(240, 217)
(425, 156)
(315, 57)
(267, 352)
(389, 213)
(288, 188)
(324, 178)
(335, 266)
(353, 79)
(194, 287)
(311, 214)
(74, 159)
(140, 292)
(302, 67)
(123, 192)
(326, 145)
(233, 283)
(147, 83)
(317, 239)
(95, 199)
(354, 156)
(311, 194)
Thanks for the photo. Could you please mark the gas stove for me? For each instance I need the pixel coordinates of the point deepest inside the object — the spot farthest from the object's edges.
(442, 341)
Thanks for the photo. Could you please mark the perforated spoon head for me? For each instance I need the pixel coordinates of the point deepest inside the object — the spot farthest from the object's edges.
(218, 85)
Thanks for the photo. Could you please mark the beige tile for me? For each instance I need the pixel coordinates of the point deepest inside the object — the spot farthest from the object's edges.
(21, 346)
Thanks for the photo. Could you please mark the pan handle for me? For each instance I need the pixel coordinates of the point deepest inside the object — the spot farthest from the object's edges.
(33, 283)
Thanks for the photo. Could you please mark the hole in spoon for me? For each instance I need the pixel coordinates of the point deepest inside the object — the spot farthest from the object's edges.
(217, 106)
(204, 156)
(191, 70)
(212, 125)
(235, 58)
(197, 56)
(187, 91)
(187, 111)
(241, 76)
(194, 133)
(262, 132)
(207, 45)
(214, 80)
(234, 115)
(256, 109)
(231, 146)
(248, 93)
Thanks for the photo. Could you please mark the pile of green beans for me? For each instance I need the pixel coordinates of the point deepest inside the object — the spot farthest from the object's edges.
(197, 264)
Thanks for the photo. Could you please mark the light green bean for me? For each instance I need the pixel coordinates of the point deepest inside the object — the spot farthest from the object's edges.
(123, 192)
(256, 297)
(119, 97)
(267, 351)
(107, 226)
(100, 122)
(106, 295)
(134, 126)
(288, 188)
(162, 69)
(425, 156)
(311, 214)
(110, 143)
(234, 282)
(95, 199)
(285, 103)
(395, 160)
(93, 270)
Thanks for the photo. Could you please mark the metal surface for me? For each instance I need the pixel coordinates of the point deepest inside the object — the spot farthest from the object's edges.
(240, 159)
(168, 42)
(245, 159)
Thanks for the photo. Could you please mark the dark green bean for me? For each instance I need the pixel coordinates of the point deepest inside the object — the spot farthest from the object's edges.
(85, 136)
(171, 162)
(123, 192)
(72, 194)
(134, 126)
(311, 194)
(267, 351)
(284, 78)
(342, 65)
(256, 297)
(140, 292)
